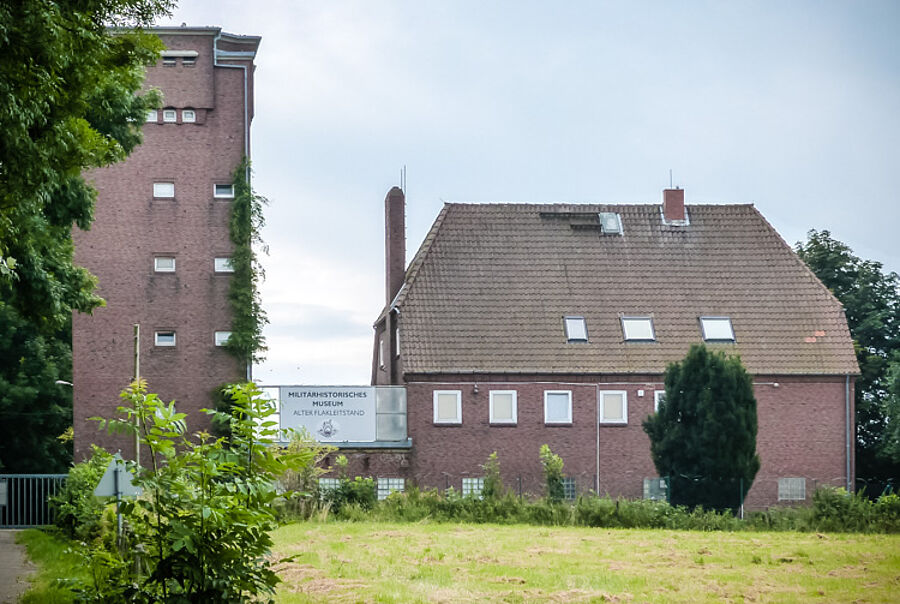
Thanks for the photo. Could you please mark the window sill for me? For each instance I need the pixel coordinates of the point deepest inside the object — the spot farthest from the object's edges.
(558, 424)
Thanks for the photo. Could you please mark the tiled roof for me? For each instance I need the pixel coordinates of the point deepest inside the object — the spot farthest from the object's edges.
(489, 288)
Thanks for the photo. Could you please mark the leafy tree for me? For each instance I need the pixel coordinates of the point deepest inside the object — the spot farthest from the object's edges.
(34, 409)
(871, 301)
(492, 488)
(704, 434)
(68, 103)
(552, 464)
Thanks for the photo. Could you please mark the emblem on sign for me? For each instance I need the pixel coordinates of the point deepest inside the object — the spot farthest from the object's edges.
(328, 428)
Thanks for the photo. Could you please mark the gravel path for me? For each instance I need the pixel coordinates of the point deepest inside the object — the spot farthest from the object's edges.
(14, 568)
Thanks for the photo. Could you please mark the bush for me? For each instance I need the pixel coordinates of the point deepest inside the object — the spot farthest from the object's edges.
(78, 512)
(552, 466)
(358, 492)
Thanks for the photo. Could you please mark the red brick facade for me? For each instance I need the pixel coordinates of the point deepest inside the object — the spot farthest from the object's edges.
(132, 227)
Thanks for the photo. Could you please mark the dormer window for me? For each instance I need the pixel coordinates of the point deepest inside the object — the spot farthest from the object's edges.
(638, 329)
(576, 329)
(717, 329)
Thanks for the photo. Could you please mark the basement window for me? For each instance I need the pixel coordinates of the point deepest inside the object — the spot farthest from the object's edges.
(638, 329)
(614, 407)
(222, 337)
(717, 329)
(223, 191)
(188, 116)
(503, 407)
(170, 116)
(472, 487)
(791, 489)
(448, 406)
(570, 488)
(576, 329)
(164, 190)
(557, 406)
(188, 61)
(169, 61)
(326, 485)
(386, 486)
(164, 264)
(164, 338)
(223, 264)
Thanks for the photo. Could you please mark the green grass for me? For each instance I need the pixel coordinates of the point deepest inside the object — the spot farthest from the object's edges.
(54, 561)
(383, 562)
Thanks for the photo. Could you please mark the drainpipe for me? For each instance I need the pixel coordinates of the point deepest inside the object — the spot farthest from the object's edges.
(847, 424)
(597, 426)
(246, 137)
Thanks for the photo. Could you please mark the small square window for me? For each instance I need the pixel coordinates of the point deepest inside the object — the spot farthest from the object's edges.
(164, 190)
(169, 61)
(188, 61)
(570, 489)
(717, 329)
(327, 485)
(164, 264)
(614, 407)
(557, 406)
(188, 116)
(472, 487)
(448, 406)
(152, 115)
(503, 406)
(659, 396)
(223, 191)
(222, 337)
(170, 115)
(637, 329)
(386, 486)
(223, 264)
(164, 338)
(791, 489)
(576, 329)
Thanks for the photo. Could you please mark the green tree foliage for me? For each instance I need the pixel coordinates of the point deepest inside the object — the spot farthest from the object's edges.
(492, 488)
(248, 317)
(34, 409)
(552, 466)
(871, 300)
(704, 434)
(67, 104)
(200, 530)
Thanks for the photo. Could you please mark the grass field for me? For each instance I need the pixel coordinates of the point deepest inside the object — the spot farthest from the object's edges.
(373, 562)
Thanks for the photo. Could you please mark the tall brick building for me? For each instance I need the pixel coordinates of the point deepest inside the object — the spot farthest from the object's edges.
(160, 243)
(517, 325)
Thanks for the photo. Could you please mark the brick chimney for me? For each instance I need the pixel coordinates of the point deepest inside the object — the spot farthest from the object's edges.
(673, 204)
(394, 242)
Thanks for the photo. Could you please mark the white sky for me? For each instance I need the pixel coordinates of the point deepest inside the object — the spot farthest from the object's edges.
(791, 106)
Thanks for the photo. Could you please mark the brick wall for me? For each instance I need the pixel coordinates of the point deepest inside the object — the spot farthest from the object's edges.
(131, 227)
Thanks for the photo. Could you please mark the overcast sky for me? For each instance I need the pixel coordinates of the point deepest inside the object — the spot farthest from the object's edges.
(794, 107)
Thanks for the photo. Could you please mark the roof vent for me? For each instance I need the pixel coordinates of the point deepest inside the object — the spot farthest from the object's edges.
(610, 223)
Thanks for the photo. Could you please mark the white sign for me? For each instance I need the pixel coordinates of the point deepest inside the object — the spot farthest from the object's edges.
(116, 481)
(331, 414)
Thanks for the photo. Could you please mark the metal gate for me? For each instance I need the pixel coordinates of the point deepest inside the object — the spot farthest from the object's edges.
(24, 499)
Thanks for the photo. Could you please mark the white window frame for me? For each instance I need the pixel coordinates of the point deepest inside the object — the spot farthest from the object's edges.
(164, 190)
(472, 487)
(600, 411)
(397, 342)
(220, 338)
(164, 332)
(229, 195)
(572, 321)
(790, 488)
(188, 116)
(635, 337)
(152, 115)
(222, 264)
(658, 395)
(515, 407)
(387, 485)
(170, 116)
(458, 419)
(547, 394)
(713, 321)
(161, 268)
(381, 352)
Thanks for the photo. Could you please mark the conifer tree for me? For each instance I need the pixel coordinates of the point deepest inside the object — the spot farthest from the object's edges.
(703, 437)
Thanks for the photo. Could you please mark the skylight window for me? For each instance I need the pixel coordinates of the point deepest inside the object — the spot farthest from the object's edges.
(576, 329)
(717, 329)
(638, 329)
(610, 223)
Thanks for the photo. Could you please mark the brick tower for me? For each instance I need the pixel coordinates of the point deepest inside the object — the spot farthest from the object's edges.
(160, 242)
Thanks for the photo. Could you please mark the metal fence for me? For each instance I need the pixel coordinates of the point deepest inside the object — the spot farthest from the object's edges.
(24, 499)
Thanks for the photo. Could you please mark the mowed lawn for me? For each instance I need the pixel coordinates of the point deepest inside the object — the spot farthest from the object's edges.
(375, 562)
